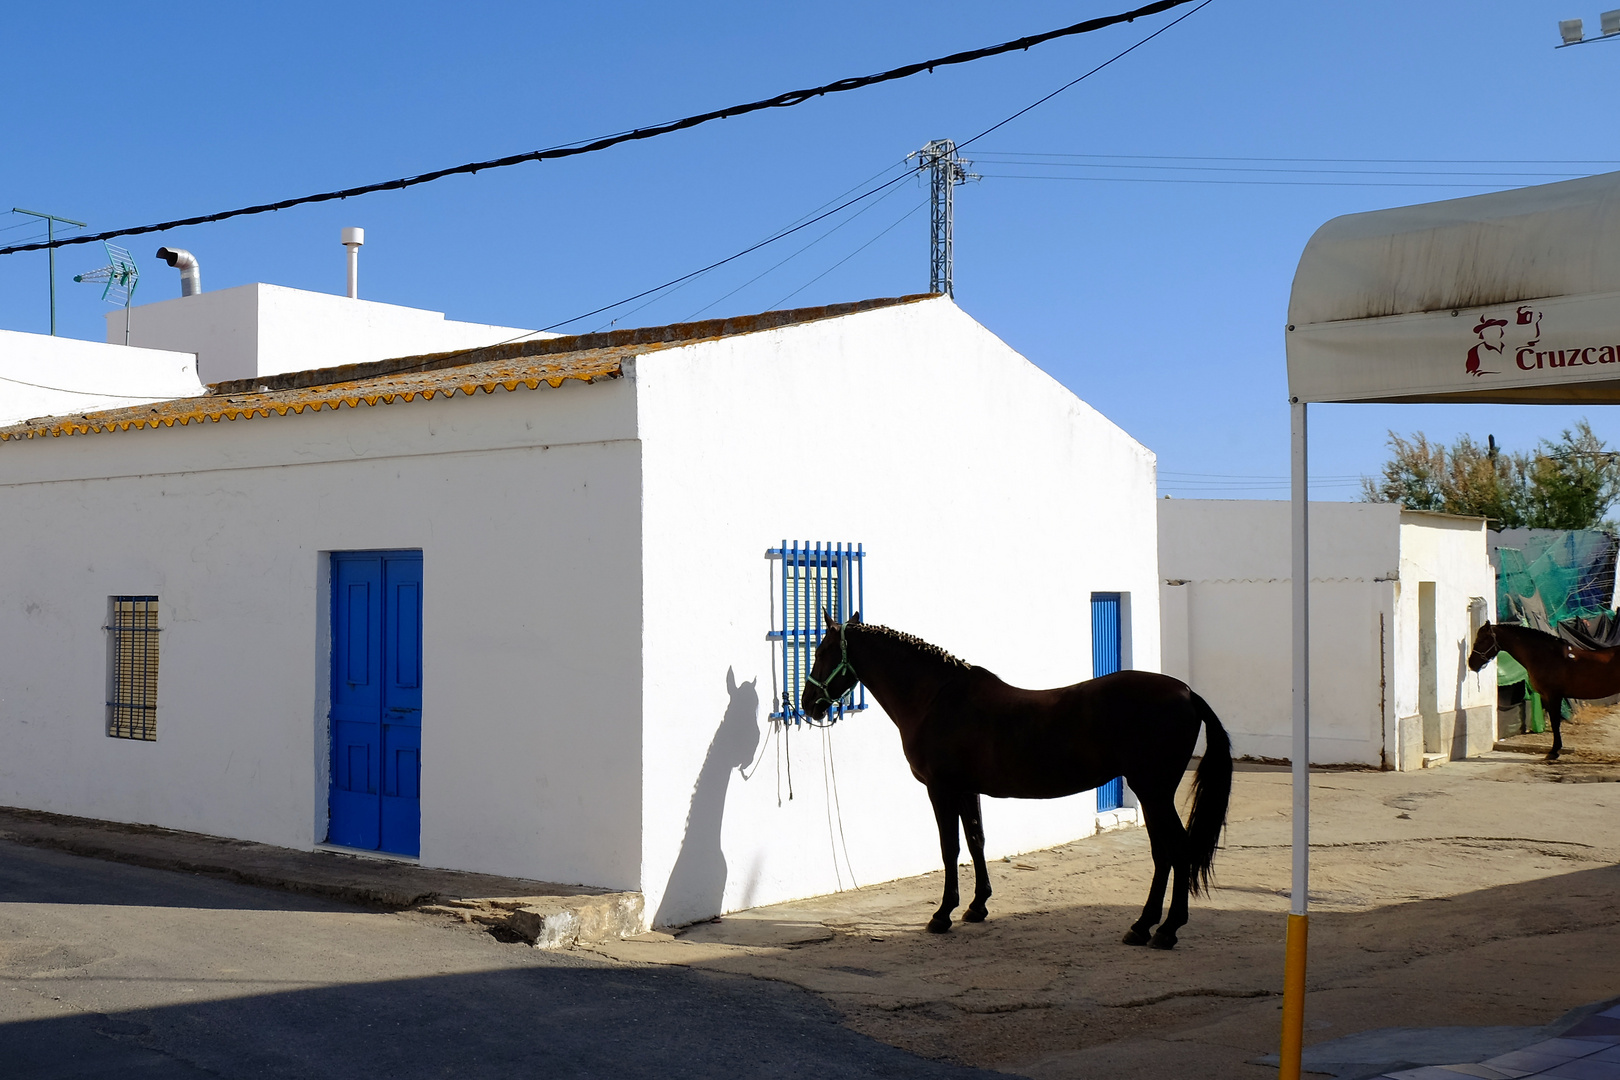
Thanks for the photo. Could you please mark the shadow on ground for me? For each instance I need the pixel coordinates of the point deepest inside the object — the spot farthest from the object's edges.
(653, 1023)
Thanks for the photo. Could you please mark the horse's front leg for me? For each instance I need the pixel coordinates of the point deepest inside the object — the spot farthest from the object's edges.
(973, 828)
(946, 814)
(1555, 708)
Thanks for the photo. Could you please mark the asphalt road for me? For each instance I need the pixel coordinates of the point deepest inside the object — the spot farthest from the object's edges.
(114, 970)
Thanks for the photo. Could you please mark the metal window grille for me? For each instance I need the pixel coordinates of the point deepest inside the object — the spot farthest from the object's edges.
(132, 707)
(815, 577)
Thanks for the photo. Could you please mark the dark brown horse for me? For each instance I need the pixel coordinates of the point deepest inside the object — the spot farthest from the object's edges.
(1557, 669)
(966, 734)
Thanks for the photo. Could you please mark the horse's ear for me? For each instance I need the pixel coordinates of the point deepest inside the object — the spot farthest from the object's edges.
(829, 620)
(855, 617)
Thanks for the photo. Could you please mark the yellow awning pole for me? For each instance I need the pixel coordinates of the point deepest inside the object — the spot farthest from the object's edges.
(1293, 1011)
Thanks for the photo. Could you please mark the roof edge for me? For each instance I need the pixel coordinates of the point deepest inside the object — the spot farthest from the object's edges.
(652, 335)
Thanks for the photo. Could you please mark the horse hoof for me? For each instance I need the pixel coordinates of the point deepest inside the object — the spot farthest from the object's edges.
(1133, 936)
(939, 924)
(1162, 940)
(1551, 757)
(970, 915)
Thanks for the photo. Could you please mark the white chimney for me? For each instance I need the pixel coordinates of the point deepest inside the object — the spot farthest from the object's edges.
(352, 239)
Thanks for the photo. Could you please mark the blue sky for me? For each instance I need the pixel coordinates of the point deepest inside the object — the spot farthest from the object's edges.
(1159, 301)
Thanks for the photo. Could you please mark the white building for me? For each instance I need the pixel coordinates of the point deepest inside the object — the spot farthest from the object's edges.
(1396, 596)
(261, 329)
(43, 376)
(555, 558)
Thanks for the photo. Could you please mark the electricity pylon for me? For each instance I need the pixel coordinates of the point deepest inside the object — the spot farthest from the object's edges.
(948, 170)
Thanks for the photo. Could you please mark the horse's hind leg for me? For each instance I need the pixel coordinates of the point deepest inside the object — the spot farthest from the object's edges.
(973, 828)
(1555, 709)
(1153, 813)
(946, 813)
(1165, 936)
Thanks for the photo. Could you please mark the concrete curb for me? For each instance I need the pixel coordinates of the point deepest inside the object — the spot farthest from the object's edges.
(544, 914)
(551, 922)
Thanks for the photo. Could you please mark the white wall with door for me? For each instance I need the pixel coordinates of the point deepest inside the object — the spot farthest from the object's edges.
(991, 502)
(1227, 626)
(596, 600)
(525, 508)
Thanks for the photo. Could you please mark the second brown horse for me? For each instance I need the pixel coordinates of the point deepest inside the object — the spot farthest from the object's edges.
(1557, 669)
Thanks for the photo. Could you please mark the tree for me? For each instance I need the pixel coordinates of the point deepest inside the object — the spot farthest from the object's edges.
(1574, 482)
(1567, 484)
(1465, 478)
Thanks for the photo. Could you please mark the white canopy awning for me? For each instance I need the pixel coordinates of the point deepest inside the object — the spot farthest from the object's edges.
(1512, 297)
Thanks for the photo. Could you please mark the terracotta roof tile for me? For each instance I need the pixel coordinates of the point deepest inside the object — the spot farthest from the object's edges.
(588, 358)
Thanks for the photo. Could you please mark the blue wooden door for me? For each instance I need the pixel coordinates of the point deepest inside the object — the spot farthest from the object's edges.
(1106, 658)
(376, 700)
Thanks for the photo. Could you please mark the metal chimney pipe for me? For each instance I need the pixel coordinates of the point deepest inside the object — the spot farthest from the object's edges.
(352, 239)
(186, 263)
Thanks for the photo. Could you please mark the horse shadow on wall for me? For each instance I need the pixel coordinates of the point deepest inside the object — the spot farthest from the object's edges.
(697, 883)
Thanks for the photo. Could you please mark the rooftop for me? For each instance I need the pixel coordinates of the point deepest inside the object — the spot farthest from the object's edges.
(588, 358)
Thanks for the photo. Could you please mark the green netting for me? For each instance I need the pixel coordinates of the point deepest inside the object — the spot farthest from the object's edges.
(1557, 575)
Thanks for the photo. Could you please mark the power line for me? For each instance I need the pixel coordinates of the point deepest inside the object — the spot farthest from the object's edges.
(729, 258)
(993, 127)
(794, 222)
(848, 257)
(998, 159)
(780, 101)
(1117, 56)
(776, 266)
(1264, 183)
(1311, 160)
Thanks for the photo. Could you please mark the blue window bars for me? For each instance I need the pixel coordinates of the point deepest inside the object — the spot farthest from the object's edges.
(815, 576)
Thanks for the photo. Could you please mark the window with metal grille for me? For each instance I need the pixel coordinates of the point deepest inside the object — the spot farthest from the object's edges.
(814, 577)
(133, 678)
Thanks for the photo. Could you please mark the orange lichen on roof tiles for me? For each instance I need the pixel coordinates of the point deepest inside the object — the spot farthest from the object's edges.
(529, 372)
(587, 358)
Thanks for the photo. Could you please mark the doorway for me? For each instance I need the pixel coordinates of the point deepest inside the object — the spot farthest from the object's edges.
(1428, 670)
(376, 717)
(1107, 656)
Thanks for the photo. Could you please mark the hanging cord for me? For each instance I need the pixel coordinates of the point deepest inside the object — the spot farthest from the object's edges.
(787, 744)
(748, 773)
(839, 809)
(826, 799)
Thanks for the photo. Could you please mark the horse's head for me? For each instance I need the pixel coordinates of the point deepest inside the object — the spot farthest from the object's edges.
(1485, 647)
(831, 677)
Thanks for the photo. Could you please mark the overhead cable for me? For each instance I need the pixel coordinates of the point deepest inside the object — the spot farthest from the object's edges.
(780, 101)
(910, 172)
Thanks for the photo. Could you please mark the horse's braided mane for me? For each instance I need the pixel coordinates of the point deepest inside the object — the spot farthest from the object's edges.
(925, 647)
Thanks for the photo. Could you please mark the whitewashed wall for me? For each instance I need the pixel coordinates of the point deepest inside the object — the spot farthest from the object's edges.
(41, 375)
(1452, 553)
(526, 508)
(1235, 558)
(1231, 618)
(992, 501)
(260, 329)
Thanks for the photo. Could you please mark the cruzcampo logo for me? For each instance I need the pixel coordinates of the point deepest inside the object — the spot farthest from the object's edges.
(1497, 338)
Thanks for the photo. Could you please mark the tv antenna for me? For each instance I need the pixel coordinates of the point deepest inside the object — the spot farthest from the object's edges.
(121, 275)
(51, 221)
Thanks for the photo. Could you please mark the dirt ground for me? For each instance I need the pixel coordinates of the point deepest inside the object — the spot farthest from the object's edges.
(1484, 892)
(1591, 734)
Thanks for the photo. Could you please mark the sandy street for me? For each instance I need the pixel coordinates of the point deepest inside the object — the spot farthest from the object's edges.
(1478, 893)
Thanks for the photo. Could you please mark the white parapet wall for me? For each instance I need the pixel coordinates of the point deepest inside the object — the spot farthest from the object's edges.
(42, 375)
(264, 329)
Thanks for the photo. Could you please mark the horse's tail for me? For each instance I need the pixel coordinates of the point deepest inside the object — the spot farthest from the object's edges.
(1212, 790)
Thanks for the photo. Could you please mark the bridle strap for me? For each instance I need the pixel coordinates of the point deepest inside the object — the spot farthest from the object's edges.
(825, 686)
